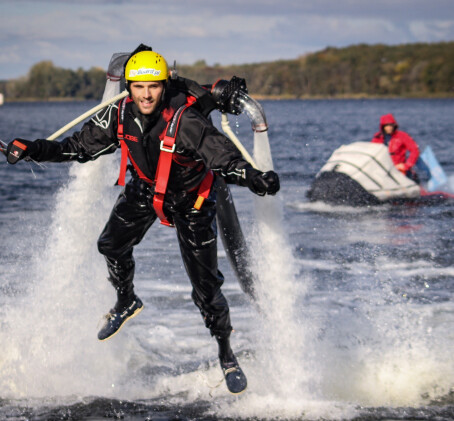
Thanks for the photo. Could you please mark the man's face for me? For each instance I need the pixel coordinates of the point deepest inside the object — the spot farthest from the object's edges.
(389, 128)
(147, 95)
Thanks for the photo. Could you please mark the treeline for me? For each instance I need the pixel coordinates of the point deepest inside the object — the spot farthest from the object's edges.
(46, 81)
(409, 70)
(360, 70)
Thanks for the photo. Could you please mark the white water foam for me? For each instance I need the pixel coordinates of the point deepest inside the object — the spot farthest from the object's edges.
(280, 382)
(51, 331)
(385, 356)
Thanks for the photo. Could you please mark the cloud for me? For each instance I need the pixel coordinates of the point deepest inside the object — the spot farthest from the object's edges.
(85, 33)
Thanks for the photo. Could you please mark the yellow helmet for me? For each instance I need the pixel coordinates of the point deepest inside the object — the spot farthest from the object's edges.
(146, 66)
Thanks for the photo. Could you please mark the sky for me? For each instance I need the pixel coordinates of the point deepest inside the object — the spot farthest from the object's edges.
(85, 33)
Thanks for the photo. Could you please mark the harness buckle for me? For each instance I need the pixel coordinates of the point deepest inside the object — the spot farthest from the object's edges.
(166, 149)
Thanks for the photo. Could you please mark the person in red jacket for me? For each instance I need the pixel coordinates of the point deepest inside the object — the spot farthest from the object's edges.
(403, 149)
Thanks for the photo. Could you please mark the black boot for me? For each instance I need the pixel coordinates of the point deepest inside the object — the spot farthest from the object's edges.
(128, 304)
(124, 298)
(234, 377)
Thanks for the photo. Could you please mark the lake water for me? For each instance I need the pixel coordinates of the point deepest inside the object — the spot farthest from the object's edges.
(355, 315)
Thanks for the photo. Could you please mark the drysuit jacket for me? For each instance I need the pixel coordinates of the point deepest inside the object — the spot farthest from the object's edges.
(197, 142)
(199, 147)
(400, 145)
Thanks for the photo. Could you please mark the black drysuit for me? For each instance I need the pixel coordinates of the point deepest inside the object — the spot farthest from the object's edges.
(200, 147)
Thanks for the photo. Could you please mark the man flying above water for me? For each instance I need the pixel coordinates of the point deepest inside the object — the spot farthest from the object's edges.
(175, 155)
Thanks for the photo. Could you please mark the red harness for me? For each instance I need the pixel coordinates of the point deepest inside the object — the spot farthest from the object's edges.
(166, 157)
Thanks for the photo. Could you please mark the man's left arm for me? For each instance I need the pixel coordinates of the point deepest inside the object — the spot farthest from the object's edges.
(198, 136)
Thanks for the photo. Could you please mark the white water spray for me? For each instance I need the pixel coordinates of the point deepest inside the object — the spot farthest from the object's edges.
(277, 289)
(51, 332)
(280, 374)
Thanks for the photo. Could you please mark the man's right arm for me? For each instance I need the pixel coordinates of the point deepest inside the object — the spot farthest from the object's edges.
(97, 137)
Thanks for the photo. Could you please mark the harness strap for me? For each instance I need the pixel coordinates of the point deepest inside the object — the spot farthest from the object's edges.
(165, 163)
(204, 189)
(166, 157)
(125, 154)
(124, 148)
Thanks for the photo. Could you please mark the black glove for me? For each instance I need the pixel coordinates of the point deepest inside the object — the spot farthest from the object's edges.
(225, 93)
(19, 149)
(262, 183)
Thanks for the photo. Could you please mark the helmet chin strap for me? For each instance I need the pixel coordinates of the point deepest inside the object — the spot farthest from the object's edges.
(128, 88)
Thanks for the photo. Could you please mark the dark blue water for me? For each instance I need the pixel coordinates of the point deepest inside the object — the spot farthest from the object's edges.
(358, 321)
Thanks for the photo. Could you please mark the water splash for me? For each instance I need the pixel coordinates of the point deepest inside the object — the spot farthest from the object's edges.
(282, 336)
(51, 330)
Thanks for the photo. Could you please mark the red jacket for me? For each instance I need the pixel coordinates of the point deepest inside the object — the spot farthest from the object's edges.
(399, 144)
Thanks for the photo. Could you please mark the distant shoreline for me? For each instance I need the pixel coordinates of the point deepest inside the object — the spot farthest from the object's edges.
(418, 70)
(356, 96)
(266, 98)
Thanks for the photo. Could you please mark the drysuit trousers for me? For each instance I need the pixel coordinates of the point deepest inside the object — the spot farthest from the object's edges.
(130, 219)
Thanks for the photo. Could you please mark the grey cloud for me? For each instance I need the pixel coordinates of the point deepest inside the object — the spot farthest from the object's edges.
(389, 9)
(232, 32)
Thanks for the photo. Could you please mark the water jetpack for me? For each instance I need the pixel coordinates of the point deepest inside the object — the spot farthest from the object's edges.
(232, 97)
